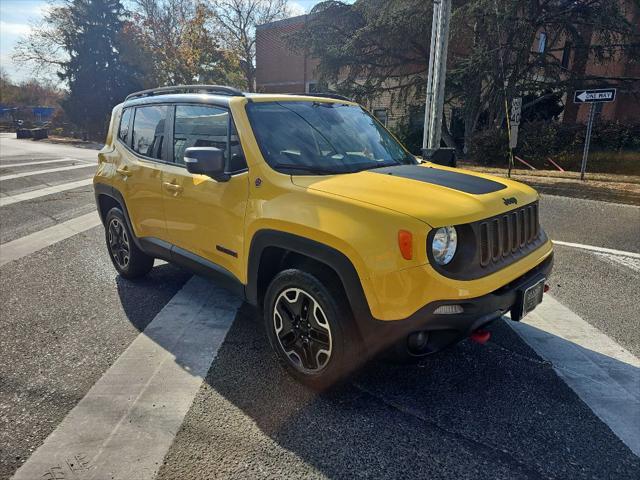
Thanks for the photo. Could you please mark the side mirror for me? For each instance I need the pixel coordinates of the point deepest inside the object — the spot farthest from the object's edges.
(440, 156)
(206, 161)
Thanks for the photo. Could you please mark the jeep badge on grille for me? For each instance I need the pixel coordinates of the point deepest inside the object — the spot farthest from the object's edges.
(510, 201)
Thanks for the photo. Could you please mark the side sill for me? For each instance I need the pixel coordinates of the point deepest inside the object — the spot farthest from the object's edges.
(198, 265)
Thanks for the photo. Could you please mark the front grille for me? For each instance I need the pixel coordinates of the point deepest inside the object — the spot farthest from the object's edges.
(508, 234)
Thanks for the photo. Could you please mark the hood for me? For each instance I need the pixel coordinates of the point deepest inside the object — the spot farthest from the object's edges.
(435, 195)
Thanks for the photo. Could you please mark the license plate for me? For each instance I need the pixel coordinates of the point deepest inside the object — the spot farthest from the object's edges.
(532, 297)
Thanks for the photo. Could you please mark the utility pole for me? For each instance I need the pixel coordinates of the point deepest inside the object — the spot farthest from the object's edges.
(436, 79)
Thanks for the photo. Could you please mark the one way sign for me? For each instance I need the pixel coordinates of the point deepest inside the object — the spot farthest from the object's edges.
(594, 96)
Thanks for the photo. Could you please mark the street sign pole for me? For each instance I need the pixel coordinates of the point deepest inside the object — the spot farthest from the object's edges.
(592, 96)
(513, 123)
(587, 140)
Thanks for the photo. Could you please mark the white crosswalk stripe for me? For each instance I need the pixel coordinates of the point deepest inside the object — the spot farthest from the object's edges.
(41, 192)
(34, 242)
(147, 392)
(40, 162)
(47, 170)
(602, 373)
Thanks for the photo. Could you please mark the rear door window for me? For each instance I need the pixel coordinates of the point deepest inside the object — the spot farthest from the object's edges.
(149, 131)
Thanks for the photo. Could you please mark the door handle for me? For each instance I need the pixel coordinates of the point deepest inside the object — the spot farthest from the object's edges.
(172, 187)
(124, 171)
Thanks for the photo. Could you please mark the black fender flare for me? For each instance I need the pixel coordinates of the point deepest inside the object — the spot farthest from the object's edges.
(320, 252)
(104, 189)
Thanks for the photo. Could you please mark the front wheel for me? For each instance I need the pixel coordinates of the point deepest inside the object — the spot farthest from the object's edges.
(129, 260)
(310, 328)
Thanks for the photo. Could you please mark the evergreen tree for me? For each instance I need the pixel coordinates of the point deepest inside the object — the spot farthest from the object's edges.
(96, 77)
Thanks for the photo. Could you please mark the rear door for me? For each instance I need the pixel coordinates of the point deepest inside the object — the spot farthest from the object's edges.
(142, 140)
(206, 217)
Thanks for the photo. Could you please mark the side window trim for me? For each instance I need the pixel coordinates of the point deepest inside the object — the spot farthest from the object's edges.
(129, 126)
(169, 128)
(232, 126)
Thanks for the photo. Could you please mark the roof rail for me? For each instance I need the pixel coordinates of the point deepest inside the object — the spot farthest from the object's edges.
(325, 95)
(219, 89)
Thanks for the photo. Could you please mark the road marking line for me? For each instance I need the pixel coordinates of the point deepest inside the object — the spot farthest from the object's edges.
(601, 372)
(41, 192)
(47, 170)
(29, 244)
(42, 162)
(126, 423)
(631, 263)
(597, 249)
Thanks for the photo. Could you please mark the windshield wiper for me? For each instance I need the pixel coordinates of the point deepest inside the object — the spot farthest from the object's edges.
(305, 168)
(387, 164)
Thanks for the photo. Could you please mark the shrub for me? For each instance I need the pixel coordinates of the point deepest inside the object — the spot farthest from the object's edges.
(616, 144)
(410, 136)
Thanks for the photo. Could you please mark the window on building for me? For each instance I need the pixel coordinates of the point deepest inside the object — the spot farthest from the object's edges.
(542, 42)
(381, 115)
(312, 87)
(125, 120)
(148, 130)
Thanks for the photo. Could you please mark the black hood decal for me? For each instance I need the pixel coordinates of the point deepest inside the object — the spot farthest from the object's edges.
(444, 178)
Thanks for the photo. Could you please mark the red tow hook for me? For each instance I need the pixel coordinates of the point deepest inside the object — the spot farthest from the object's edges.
(546, 287)
(480, 336)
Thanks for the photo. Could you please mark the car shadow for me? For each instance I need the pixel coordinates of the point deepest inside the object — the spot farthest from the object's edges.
(492, 411)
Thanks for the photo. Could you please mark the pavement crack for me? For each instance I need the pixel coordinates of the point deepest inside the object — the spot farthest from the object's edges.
(531, 471)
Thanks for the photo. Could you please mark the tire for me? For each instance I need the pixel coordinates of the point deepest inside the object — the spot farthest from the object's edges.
(325, 353)
(127, 258)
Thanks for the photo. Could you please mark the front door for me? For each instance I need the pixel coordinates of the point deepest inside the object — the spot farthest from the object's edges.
(203, 216)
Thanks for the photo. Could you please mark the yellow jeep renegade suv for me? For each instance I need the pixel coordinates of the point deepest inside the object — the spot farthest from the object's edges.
(309, 209)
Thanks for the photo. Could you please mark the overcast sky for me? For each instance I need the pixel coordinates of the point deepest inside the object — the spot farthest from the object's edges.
(16, 16)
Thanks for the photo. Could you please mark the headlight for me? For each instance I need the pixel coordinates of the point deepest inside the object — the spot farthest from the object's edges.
(444, 244)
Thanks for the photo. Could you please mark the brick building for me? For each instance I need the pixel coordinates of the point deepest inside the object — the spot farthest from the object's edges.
(279, 69)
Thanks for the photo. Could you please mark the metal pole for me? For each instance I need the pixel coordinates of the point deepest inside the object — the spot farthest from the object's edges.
(587, 141)
(437, 73)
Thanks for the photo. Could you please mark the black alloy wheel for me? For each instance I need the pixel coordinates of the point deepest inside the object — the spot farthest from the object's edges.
(118, 242)
(127, 258)
(302, 330)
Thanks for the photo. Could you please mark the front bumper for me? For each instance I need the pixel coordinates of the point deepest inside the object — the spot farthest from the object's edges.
(378, 335)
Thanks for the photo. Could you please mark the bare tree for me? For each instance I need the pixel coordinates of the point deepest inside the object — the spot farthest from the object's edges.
(237, 20)
(42, 51)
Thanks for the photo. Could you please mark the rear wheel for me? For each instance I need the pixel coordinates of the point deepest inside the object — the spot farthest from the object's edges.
(310, 328)
(129, 260)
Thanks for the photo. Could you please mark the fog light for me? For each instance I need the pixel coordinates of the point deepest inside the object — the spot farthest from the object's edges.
(448, 310)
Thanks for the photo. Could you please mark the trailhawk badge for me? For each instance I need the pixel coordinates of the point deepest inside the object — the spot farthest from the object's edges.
(510, 201)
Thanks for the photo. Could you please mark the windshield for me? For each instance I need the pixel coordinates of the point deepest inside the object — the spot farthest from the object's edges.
(323, 138)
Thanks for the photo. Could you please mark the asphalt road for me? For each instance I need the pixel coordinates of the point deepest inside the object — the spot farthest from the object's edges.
(495, 411)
